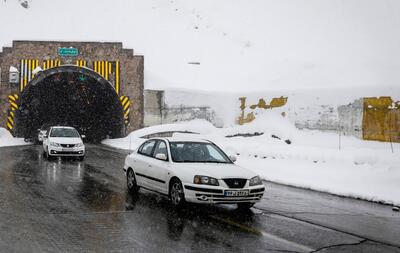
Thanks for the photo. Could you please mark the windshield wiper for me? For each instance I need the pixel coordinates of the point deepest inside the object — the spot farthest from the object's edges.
(187, 161)
(191, 161)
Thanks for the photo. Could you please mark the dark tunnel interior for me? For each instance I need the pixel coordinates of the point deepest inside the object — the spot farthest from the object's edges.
(71, 98)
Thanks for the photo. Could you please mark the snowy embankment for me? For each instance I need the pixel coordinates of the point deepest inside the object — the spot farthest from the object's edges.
(361, 169)
(6, 139)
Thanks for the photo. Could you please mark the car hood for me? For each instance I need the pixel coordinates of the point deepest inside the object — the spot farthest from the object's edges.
(217, 170)
(65, 140)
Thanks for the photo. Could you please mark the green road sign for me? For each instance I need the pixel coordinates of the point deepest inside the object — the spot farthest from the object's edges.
(67, 51)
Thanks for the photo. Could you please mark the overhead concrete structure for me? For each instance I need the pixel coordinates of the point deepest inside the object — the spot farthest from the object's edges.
(90, 85)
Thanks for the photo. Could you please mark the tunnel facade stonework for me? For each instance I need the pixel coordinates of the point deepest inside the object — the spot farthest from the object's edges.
(118, 65)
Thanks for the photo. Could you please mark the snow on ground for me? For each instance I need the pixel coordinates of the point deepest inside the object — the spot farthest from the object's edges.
(362, 169)
(6, 139)
(133, 140)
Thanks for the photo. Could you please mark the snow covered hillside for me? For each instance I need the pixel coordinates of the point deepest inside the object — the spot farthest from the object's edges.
(6, 139)
(234, 45)
(313, 159)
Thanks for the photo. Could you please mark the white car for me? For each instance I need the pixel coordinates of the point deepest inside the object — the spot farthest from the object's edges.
(191, 170)
(42, 132)
(63, 141)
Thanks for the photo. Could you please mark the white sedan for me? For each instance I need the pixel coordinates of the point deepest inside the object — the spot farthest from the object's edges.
(63, 141)
(191, 170)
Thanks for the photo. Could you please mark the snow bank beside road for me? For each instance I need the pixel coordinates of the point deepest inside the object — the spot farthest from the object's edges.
(6, 139)
(362, 169)
(134, 139)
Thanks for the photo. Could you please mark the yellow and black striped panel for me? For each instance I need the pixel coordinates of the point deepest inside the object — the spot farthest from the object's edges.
(26, 71)
(81, 63)
(117, 77)
(110, 71)
(47, 64)
(126, 104)
(13, 101)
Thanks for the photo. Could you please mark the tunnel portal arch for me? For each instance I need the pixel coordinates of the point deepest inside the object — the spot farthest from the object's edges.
(73, 96)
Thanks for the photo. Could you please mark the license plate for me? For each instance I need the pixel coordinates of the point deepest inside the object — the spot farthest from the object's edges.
(236, 193)
(65, 149)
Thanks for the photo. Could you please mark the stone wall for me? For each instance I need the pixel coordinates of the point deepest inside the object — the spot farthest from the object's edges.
(351, 118)
(130, 69)
(158, 112)
(153, 107)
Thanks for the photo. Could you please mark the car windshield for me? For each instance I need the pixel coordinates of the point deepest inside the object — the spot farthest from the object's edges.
(64, 132)
(199, 152)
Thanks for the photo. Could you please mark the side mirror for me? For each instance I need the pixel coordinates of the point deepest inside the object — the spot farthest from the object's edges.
(83, 136)
(233, 158)
(161, 156)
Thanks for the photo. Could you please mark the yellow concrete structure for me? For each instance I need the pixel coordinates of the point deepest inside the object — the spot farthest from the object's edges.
(381, 119)
(249, 117)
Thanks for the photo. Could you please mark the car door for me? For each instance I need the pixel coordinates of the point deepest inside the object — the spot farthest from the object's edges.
(158, 169)
(142, 162)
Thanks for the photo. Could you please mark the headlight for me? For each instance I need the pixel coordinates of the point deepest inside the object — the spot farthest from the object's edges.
(54, 144)
(79, 145)
(255, 181)
(205, 180)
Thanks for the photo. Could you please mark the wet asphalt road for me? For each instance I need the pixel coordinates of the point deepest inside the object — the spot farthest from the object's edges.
(71, 206)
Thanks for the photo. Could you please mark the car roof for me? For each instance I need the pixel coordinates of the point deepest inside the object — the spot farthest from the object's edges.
(63, 127)
(182, 139)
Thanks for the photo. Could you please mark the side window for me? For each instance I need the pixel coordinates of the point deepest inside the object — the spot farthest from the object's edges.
(147, 148)
(214, 154)
(161, 148)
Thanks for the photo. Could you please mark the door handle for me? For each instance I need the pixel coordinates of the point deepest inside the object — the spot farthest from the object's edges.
(150, 165)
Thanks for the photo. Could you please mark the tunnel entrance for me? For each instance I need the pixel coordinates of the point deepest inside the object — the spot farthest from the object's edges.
(70, 96)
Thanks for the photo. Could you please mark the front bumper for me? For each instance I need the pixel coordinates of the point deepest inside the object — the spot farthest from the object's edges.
(59, 151)
(216, 195)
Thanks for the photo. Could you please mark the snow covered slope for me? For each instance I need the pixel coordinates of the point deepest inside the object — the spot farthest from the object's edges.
(234, 45)
(6, 139)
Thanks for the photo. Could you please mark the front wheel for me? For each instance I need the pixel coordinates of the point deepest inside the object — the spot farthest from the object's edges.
(81, 158)
(131, 182)
(48, 156)
(176, 193)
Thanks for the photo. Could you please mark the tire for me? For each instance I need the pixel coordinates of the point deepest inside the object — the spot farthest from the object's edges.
(131, 182)
(48, 156)
(81, 158)
(176, 193)
(245, 206)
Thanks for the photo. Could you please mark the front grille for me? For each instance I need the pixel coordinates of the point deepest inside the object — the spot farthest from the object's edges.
(218, 198)
(235, 182)
(53, 152)
(67, 145)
